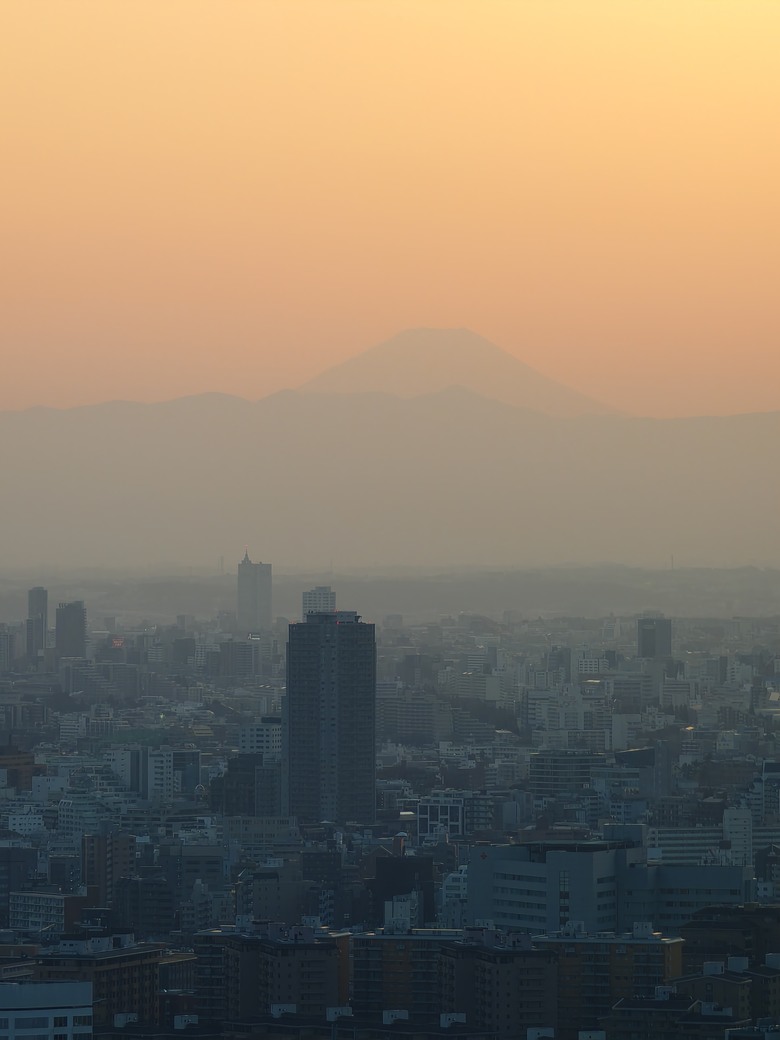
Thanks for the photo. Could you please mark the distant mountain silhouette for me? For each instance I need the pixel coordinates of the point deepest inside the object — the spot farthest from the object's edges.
(424, 361)
(445, 479)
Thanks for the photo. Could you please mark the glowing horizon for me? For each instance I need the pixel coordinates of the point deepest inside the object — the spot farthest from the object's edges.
(231, 198)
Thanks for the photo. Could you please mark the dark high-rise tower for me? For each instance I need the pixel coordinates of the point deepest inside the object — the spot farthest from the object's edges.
(328, 719)
(654, 637)
(37, 621)
(253, 608)
(70, 630)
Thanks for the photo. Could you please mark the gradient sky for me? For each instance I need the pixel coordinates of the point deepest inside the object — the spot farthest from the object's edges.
(210, 195)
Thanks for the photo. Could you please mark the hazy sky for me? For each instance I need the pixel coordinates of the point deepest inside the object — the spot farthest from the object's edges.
(211, 195)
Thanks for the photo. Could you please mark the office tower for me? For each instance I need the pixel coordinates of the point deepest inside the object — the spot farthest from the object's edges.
(253, 611)
(7, 650)
(239, 657)
(319, 600)
(654, 637)
(328, 719)
(70, 630)
(37, 621)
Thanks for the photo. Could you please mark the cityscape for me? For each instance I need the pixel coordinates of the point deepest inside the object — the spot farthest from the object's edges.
(251, 825)
(389, 501)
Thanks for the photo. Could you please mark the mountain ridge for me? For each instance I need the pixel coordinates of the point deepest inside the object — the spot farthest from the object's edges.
(450, 392)
(446, 479)
(481, 368)
(418, 361)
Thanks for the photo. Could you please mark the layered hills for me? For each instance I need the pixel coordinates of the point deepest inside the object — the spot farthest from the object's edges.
(446, 477)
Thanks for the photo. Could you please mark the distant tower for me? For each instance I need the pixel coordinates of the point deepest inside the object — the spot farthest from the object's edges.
(254, 611)
(70, 630)
(328, 719)
(654, 637)
(319, 600)
(37, 621)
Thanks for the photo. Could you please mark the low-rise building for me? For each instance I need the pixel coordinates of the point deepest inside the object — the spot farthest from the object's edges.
(597, 970)
(46, 1010)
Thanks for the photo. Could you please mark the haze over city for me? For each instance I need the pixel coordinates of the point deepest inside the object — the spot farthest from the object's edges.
(389, 558)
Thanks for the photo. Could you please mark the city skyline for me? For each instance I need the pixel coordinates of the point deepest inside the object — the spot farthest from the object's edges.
(462, 317)
(510, 820)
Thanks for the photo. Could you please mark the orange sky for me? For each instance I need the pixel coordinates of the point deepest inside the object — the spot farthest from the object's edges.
(232, 194)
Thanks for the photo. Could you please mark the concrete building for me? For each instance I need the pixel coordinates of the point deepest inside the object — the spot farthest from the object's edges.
(272, 892)
(7, 650)
(553, 773)
(239, 657)
(328, 727)
(454, 814)
(670, 1015)
(123, 974)
(185, 864)
(595, 971)
(19, 767)
(262, 737)
(37, 625)
(715, 933)
(607, 885)
(254, 605)
(250, 786)
(502, 985)
(319, 600)
(70, 632)
(654, 638)
(17, 866)
(144, 905)
(36, 912)
(398, 969)
(105, 858)
(46, 1010)
(542, 886)
(670, 895)
(243, 975)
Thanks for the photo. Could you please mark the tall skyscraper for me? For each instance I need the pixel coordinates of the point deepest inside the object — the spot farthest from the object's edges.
(70, 630)
(654, 637)
(254, 612)
(7, 649)
(329, 718)
(37, 621)
(319, 600)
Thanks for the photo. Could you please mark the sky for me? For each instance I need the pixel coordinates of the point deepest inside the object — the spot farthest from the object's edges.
(201, 195)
